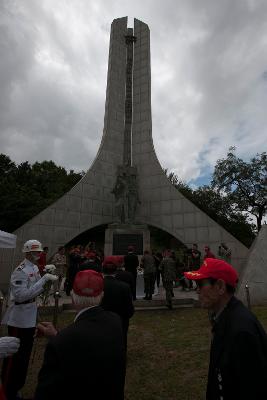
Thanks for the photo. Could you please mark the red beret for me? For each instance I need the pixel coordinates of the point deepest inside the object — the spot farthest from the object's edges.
(88, 283)
(120, 260)
(110, 261)
(215, 269)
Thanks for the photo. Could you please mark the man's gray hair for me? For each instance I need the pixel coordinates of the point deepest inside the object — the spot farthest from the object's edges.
(86, 301)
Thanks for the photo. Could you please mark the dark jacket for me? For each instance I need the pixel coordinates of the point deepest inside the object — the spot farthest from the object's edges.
(118, 299)
(131, 263)
(85, 360)
(126, 277)
(238, 357)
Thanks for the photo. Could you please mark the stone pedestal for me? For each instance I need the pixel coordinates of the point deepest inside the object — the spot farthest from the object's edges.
(119, 236)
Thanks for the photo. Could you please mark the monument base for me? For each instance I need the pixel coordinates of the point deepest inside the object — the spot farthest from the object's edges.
(119, 236)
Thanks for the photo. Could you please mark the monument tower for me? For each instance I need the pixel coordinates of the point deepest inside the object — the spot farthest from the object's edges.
(125, 188)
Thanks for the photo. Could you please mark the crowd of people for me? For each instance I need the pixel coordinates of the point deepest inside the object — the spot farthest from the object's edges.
(78, 258)
(91, 353)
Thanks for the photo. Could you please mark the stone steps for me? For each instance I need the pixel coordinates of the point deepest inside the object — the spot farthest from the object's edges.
(140, 305)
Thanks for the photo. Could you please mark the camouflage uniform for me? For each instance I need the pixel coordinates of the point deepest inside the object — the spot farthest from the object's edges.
(148, 265)
(168, 268)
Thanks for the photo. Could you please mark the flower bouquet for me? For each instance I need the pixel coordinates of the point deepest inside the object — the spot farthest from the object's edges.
(48, 269)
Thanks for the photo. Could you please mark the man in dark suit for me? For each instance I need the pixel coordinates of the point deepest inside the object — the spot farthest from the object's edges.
(87, 359)
(131, 264)
(117, 295)
(124, 276)
(238, 355)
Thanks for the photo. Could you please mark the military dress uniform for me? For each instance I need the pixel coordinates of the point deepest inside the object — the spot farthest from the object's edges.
(20, 317)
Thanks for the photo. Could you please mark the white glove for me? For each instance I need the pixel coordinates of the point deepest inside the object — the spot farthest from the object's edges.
(50, 277)
(8, 346)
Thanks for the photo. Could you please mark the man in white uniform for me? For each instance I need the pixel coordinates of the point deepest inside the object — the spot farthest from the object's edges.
(20, 317)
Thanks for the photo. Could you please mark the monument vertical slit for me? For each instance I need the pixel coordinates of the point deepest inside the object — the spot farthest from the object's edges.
(128, 111)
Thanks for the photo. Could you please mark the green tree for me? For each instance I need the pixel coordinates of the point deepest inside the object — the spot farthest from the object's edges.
(218, 206)
(27, 189)
(245, 183)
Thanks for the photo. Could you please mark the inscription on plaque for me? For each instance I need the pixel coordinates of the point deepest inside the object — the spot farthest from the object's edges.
(122, 241)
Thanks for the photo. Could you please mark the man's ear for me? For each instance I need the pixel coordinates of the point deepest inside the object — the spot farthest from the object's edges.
(221, 285)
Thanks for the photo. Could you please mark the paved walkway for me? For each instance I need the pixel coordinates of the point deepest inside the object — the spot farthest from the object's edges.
(181, 298)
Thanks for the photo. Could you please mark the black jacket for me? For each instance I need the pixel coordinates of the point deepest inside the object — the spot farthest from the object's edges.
(118, 299)
(238, 357)
(126, 277)
(131, 263)
(85, 360)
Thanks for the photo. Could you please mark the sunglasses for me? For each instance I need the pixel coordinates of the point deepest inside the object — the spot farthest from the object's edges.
(200, 284)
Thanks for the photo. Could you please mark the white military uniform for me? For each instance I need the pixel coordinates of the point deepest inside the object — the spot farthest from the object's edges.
(25, 284)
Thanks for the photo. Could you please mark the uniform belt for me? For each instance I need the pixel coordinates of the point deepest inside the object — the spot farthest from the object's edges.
(25, 302)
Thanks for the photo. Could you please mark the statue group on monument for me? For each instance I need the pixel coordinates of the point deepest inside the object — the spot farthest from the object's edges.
(126, 194)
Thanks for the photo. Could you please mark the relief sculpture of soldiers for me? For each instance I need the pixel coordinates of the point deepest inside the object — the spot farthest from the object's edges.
(126, 194)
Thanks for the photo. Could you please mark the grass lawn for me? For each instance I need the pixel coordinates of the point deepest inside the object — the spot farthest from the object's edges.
(168, 354)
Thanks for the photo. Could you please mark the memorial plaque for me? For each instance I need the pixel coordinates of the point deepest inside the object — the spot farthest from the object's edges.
(122, 241)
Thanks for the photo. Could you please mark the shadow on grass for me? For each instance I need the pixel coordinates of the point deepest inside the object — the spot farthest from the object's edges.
(168, 354)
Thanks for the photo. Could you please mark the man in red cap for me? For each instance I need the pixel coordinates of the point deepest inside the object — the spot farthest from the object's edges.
(117, 295)
(124, 276)
(238, 355)
(87, 359)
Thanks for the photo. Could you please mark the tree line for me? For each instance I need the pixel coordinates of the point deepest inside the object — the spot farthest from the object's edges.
(236, 197)
(27, 189)
(237, 192)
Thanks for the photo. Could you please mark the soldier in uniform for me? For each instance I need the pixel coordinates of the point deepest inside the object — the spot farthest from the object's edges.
(20, 317)
(238, 355)
(149, 268)
(168, 271)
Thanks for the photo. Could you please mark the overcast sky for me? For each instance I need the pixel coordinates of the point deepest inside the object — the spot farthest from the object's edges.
(209, 79)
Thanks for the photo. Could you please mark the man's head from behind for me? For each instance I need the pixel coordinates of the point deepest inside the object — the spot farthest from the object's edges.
(216, 282)
(87, 289)
(110, 265)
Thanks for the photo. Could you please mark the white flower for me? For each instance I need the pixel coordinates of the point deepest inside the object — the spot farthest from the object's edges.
(50, 269)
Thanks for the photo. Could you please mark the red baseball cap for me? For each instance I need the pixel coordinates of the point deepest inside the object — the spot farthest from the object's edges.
(215, 269)
(88, 283)
(120, 260)
(110, 260)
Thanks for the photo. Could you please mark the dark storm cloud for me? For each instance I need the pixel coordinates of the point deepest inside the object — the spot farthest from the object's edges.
(208, 86)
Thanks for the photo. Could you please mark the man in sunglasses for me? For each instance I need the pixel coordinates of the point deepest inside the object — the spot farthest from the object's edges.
(238, 354)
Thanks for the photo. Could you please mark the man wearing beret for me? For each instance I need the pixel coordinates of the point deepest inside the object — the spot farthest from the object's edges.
(87, 359)
(238, 354)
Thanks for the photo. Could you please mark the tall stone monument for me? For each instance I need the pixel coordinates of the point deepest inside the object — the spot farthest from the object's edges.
(125, 188)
